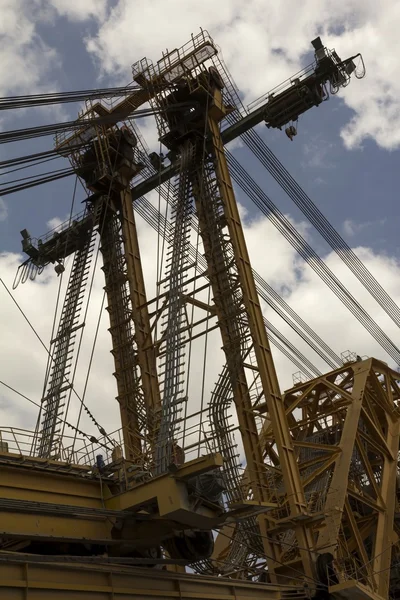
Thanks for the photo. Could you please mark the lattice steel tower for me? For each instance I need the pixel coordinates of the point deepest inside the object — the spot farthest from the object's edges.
(317, 500)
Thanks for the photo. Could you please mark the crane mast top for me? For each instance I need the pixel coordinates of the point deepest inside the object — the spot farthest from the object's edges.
(283, 105)
(315, 507)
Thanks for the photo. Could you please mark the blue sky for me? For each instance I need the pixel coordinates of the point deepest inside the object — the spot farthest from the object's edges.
(345, 156)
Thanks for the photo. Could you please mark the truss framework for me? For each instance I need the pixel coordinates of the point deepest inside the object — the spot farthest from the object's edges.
(61, 352)
(299, 448)
(345, 430)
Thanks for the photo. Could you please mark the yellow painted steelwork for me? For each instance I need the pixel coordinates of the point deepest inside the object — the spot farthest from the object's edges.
(265, 367)
(321, 472)
(46, 505)
(32, 581)
(352, 513)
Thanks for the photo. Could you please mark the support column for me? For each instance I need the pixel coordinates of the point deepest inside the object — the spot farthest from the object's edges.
(146, 352)
(130, 397)
(265, 364)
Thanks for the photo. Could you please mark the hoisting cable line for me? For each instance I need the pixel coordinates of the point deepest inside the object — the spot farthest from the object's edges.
(266, 292)
(264, 203)
(101, 429)
(149, 213)
(270, 161)
(28, 166)
(21, 160)
(43, 130)
(91, 438)
(235, 100)
(324, 227)
(32, 100)
(90, 363)
(20, 179)
(39, 181)
(274, 335)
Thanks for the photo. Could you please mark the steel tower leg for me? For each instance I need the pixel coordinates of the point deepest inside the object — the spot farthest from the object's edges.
(241, 320)
(146, 352)
(133, 351)
(130, 396)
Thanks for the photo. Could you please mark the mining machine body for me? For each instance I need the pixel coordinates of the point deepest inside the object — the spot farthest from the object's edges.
(314, 512)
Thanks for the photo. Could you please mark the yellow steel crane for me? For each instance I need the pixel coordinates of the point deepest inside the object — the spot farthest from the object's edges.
(313, 514)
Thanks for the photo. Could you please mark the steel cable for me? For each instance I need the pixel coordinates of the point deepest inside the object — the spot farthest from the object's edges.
(267, 293)
(151, 215)
(34, 100)
(101, 429)
(62, 421)
(39, 181)
(268, 159)
(321, 223)
(267, 207)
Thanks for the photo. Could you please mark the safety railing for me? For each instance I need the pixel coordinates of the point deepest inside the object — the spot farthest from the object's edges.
(350, 357)
(302, 74)
(15, 440)
(298, 378)
(196, 440)
(178, 62)
(59, 228)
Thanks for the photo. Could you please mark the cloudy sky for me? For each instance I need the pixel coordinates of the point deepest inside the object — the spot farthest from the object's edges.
(345, 157)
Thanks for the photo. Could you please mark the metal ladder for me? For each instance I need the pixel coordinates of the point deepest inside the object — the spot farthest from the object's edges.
(62, 353)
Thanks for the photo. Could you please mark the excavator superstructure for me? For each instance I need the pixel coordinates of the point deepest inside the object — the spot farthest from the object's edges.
(313, 513)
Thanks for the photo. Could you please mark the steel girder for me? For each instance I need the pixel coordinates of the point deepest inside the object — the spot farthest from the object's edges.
(345, 431)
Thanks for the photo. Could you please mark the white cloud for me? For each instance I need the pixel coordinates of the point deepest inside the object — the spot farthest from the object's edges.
(376, 101)
(349, 227)
(55, 222)
(77, 10)
(352, 228)
(317, 153)
(328, 316)
(282, 267)
(263, 43)
(24, 58)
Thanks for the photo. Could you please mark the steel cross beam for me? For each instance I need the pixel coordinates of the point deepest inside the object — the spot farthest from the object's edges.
(35, 579)
(229, 134)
